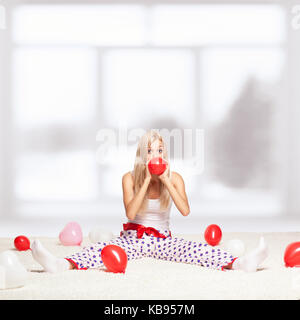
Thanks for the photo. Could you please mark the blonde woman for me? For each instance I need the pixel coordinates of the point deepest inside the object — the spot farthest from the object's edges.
(147, 200)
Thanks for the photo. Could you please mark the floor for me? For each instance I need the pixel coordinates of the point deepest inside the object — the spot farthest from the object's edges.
(154, 279)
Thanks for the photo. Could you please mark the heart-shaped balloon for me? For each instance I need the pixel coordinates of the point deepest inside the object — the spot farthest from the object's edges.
(71, 235)
(22, 243)
(99, 235)
(12, 273)
(157, 166)
(292, 255)
(114, 258)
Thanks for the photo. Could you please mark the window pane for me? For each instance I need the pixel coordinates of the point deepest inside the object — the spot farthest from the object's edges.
(217, 24)
(56, 176)
(54, 86)
(79, 24)
(239, 120)
(117, 161)
(226, 71)
(143, 84)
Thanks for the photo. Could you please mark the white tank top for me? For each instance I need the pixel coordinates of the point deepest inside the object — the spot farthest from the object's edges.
(154, 216)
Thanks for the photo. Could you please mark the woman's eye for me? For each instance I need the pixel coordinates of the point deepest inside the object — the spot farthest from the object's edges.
(149, 150)
(160, 150)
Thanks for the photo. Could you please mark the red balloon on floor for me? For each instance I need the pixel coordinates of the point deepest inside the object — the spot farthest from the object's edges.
(114, 258)
(292, 255)
(22, 243)
(213, 234)
(157, 166)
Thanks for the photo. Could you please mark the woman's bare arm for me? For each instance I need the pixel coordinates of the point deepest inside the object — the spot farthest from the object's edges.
(133, 202)
(177, 191)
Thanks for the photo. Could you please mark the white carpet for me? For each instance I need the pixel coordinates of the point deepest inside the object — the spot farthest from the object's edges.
(160, 280)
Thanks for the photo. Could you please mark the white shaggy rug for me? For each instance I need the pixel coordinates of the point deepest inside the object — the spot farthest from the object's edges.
(152, 279)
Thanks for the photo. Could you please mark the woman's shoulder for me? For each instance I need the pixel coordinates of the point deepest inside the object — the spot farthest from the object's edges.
(176, 177)
(128, 176)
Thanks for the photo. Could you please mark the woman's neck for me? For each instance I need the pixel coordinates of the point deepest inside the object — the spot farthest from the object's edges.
(154, 188)
(154, 179)
(154, 183)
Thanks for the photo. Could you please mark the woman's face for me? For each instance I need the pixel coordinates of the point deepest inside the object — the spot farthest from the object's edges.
(156, 150)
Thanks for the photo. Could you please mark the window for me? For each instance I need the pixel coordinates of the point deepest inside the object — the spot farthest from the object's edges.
(78, 68)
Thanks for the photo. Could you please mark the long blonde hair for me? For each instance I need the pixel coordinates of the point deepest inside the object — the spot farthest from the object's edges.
(139, 171)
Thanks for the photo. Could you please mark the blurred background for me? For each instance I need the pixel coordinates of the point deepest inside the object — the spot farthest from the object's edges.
(70, 68)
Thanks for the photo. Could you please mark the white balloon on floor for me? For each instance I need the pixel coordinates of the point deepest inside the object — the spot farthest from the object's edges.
(99, 235)
(12, 273)
(235, 247)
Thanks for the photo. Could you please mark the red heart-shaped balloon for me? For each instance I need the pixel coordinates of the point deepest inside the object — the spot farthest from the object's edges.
(157, 166)
(22, 243)
(292, 255)
(114, 258)
(213, 234)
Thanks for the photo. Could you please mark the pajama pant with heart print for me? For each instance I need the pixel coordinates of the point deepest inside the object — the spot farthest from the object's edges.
(169, 249)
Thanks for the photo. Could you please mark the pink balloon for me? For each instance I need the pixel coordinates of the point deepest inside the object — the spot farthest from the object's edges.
(71, 235)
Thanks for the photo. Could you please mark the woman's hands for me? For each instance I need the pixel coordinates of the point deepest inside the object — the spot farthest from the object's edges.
(164, 176)
(148, 174)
